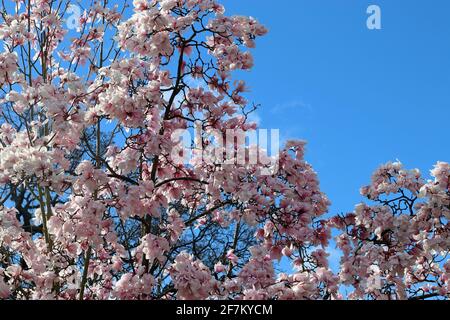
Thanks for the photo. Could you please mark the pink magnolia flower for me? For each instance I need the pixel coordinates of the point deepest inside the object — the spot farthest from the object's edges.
(5, 291)
(232, 257)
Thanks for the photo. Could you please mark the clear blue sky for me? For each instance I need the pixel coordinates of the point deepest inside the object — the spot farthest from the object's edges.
(359, 97)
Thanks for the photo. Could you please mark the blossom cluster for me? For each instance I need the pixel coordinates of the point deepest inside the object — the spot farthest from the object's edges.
(398, 246)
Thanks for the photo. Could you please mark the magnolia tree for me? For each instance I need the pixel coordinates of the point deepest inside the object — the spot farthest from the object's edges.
(99, 201)
(398, 247)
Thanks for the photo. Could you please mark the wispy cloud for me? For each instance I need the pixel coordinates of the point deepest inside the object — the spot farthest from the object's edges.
(291, 105)
(255, 117)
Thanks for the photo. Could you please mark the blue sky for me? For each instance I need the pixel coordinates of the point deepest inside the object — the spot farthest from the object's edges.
(359, 97)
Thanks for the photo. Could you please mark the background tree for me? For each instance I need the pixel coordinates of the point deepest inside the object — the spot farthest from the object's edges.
(398, 247)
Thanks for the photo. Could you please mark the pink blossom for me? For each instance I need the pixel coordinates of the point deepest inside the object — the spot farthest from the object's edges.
(4, 290)
(191, 278)
(232, 257)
